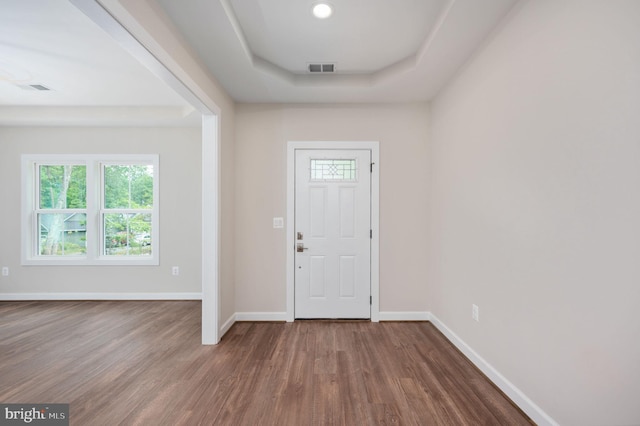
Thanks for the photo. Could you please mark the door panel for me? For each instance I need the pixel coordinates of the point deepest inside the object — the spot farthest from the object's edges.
(347, 276)
(347, 212)
(332, 224)
(317, 211)
(317, 274)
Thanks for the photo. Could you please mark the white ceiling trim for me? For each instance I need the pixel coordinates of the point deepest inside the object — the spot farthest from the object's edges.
(413, 61)
(233, 19)
(422, 52)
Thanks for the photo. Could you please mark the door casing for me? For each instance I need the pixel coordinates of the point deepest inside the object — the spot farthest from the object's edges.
(292, 146)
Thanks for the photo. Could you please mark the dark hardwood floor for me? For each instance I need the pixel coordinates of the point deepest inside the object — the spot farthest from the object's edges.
(141, 363)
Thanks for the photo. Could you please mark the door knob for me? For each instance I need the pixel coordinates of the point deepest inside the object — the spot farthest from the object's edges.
(300, 248)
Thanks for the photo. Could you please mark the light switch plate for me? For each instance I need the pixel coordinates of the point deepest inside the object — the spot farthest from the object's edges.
(278, 222)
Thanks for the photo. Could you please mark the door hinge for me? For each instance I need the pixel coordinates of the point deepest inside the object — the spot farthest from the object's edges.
(371, 234)
(371, 300)
(372, 167)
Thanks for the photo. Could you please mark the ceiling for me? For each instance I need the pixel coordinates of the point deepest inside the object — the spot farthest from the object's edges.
(92, 80)
(259, 50)
(383, 50)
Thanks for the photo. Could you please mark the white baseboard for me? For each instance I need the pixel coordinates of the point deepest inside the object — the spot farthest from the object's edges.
(227, 325)
(99, 296)
(261, 316)
(404, 316)
(251, 316)
(282, 316)
(517, 396)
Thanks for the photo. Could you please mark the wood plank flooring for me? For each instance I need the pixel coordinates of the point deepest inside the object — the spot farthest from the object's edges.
(141, 363)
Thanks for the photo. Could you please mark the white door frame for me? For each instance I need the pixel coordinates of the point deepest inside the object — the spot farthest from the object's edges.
(292, 146)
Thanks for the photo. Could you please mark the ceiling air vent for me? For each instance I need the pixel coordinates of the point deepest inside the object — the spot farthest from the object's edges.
(322, 68)
(33, 87)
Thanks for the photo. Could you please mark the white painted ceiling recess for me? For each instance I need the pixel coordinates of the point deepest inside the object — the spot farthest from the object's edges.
(383, 51)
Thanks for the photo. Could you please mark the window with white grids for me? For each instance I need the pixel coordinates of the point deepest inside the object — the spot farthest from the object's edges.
(90, 210)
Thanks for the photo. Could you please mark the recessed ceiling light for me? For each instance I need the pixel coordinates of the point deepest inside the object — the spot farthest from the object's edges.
(322, 10)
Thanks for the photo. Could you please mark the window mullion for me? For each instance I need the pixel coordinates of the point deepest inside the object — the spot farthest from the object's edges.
(93, 234)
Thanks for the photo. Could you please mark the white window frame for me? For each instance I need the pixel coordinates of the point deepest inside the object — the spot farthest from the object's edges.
(94, 209)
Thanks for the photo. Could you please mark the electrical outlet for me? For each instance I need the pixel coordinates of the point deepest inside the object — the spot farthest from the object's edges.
(175, 270)
(475, 313)
(5, 271)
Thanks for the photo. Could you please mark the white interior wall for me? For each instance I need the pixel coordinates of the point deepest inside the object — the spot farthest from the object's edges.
(262, 133)
(535, 200)
(180, 200)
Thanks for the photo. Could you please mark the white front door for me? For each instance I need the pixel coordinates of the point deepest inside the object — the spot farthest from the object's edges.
(332, 233)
